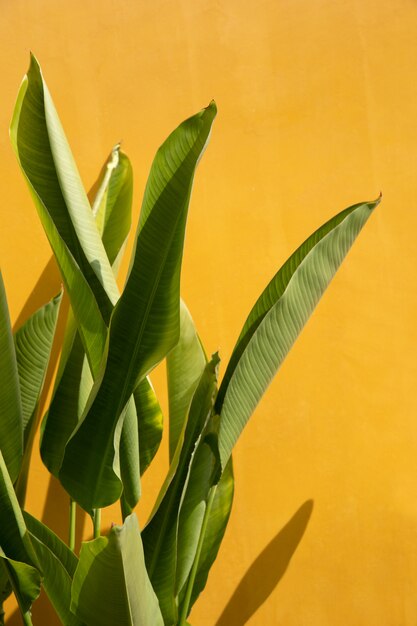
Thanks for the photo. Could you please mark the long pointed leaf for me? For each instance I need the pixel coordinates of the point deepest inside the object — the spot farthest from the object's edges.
(16, 550)
(111, 584)
(11, 414)
(160, 534)
(58, 565)
(145, 323)
(185, 364)
(33, 343)
(278, 318)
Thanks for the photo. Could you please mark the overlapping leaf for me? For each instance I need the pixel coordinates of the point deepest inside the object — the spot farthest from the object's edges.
(58, 565)
(11, 413)
(111, 585)
(16, 551)
(160, 534)
(33, 342)
(279, 316)
(145, 322)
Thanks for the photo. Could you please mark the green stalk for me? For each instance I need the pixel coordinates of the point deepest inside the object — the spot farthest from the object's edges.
(27, 619)
(97, 522)
(72, 524)
(193, 573)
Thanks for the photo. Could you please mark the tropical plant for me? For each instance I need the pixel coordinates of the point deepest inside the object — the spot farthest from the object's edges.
(104, 423)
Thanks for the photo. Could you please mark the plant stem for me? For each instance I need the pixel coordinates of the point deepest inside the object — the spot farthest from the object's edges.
(72, 524)
(27, 619)
(193, 573)
(97, 522)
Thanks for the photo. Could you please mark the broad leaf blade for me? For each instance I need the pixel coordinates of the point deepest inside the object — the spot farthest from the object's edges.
(58, 565)
(160, 534)
(150, 421)
(16, 550)
(32, 144)
(216, 527)
(11, 420)
(185, 364)
(145, 323)
(33, 342)
(111, 584)
(278, 318)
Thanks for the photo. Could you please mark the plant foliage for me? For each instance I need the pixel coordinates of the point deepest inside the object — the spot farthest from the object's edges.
(103, 425)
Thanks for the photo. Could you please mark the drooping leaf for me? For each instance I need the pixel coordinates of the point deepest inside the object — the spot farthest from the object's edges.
(160, 534)
(145, 323)
(33, 343)
(58, 565)
(185, 364)
(16, 550)
(278, 318)
(11, 414)
(111, 585)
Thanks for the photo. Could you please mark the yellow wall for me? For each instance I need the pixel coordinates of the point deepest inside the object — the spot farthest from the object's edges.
(317, 110)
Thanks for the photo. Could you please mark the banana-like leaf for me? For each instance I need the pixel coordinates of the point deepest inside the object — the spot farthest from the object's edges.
(216, 527)
(33, 343)
(160, 534)
(111, 585)
(58, 565)
(44, 156)
(150, 421)
(11, 414)
(112, 204)
(278, 318)
(16, 550)
(145, 323)
(185, 364)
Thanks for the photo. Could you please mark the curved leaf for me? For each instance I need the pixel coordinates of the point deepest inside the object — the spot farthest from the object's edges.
(33, 342)
(63, 208)
(11, 420)
(16, 550)
(111, 584)
(58, 565)
(150, 421)
(160, 534)
(185, 364)
(278, 318)
(145, 322)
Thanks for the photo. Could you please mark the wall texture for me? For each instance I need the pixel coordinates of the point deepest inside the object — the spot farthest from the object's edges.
(317, 110)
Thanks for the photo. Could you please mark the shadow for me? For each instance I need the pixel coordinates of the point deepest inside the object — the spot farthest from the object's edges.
(56, 513)
(15, 619)
(266, 571)
(47, 286)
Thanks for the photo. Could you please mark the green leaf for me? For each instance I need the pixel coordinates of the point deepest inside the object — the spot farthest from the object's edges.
(160, 534)
(58, 565)
(150, 421)
(216, 527)
(33, 342)
(112, 204)
(278, 318)
(16, 550)
(44, 156)
(11, 420)
(145, 323)
(111, 584)
(185, 364)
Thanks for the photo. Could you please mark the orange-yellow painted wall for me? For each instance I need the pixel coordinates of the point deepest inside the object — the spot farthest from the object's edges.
(317, 110)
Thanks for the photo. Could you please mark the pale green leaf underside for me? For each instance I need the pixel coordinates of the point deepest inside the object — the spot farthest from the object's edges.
(305, 281)
(111, 584)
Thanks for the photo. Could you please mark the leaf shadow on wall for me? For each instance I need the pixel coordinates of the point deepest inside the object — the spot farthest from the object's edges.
(266, 571)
